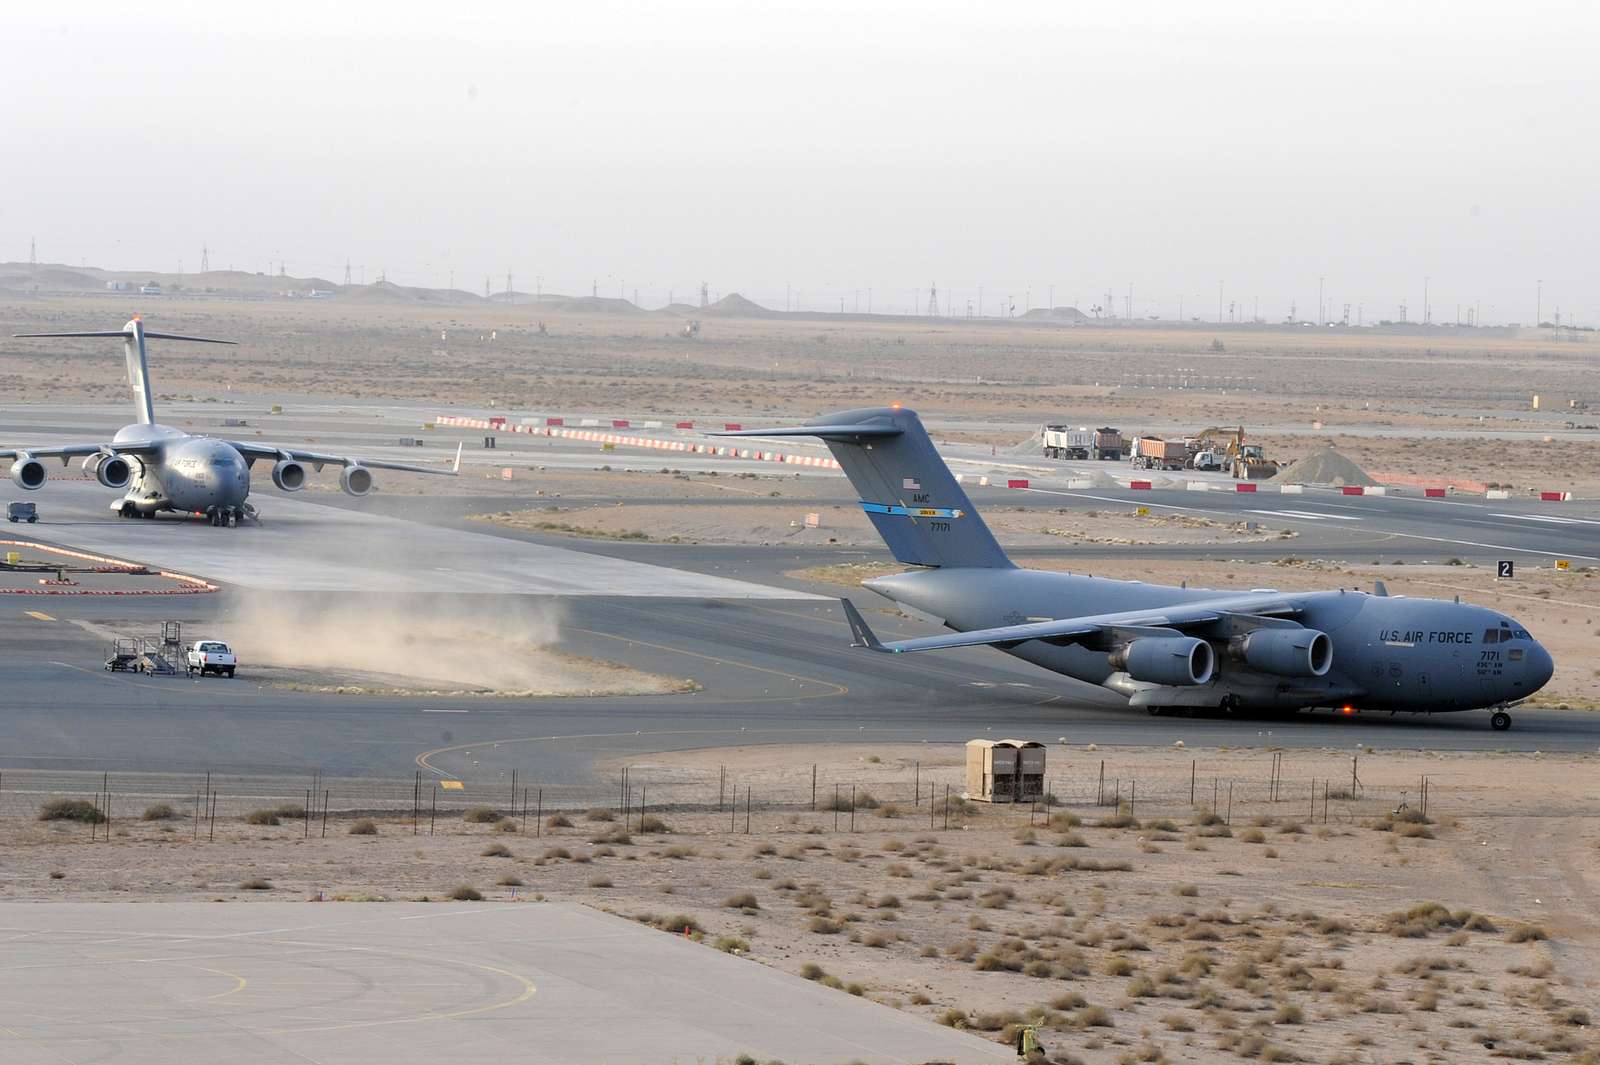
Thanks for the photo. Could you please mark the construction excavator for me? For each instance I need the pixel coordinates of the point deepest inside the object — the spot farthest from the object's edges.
(1222, 447)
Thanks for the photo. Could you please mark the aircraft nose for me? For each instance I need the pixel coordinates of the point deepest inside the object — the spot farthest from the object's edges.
(1540, 667)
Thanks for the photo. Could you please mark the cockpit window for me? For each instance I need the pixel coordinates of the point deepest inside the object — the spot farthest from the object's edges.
(1491, 635)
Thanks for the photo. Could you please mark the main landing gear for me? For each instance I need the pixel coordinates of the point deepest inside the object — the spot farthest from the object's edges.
(1499, 720)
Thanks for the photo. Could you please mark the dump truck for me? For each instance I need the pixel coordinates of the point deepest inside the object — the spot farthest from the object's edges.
(1156, 453)
(1104, 444)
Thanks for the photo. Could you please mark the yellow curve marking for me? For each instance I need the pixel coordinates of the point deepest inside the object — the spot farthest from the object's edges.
(38, 615)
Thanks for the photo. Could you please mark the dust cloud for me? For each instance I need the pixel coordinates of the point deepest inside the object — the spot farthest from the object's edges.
(421, 643)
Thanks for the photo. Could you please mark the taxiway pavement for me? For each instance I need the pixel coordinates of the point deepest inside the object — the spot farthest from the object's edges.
(471, 984)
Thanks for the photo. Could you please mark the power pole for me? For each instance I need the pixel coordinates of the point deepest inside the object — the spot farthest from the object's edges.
(1320, 320)
(346, 269)
(205, 263)
(1427, 311)
(1219, 302)
(33, 252)
(1538, 314)
(485, 286)
(705, 293)
(933, 301)
(508, 283)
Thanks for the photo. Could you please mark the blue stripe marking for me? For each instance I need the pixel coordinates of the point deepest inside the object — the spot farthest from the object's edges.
(911, 512)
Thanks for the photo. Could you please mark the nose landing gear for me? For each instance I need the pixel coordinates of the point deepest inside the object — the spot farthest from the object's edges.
(1499, 720)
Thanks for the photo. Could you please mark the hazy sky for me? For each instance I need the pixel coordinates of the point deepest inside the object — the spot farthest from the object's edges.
(832, 147)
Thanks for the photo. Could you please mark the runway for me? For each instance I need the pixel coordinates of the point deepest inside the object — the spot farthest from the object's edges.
(771, 654)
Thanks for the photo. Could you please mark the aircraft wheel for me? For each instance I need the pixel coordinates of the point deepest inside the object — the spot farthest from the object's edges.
(1500, 721)
(1230, 704)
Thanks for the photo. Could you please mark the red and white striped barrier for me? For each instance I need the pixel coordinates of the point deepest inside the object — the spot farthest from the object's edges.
(618, 440)
(1554, 497)
(1140, 486)
(189, 585)
(1433, 493)
(1353, 490)
(1244, 486)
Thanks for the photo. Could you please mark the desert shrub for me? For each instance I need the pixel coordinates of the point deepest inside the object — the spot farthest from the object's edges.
(496, 850)
(256, 883)
(1187, 891)
(506, 827)
(481, 815)
(1289, 1013)
(71, 810)
(158, 812)
(824, 926)
(889, 810)
(599, 813)
(1093, 1017)
(600, 882)
(1253, 835)
(509, 880)
(1527, 933)
(744, 900)
(1063, 821)
(811, 971)
(261, 817)
(553, 853)
(466, 893)
(651, 823)
(364, 827)
(1118, 820)
(731, 945)
(290, 811)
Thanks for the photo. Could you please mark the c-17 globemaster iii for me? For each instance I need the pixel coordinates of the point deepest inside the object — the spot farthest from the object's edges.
(161, 468)
(1163, 648)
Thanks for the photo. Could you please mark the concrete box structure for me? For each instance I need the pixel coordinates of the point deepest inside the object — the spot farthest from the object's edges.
(1005, 770)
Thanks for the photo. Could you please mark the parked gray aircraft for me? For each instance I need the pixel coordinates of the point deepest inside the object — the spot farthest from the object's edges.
(1162, 647)
(162, 468)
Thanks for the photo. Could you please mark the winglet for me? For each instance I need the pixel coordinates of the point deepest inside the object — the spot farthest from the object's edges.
(860, 634)
(457, 467)
(1379, 588)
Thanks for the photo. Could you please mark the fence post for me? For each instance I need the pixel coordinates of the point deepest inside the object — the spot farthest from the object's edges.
(747, 809)
(433, 812)
(836, 806)
(212, 837)
(305, 817)
(947, 807)
(813, 787)
(1229, 819)
(852, 807)
(538, 816)
(932, 807)
(524, 811)
(513, 793)
(416, 802)
(1193, 764)
(1100, 792)
(325, 795)
(916, 787)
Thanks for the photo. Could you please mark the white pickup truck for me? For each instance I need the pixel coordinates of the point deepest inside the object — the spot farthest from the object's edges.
(210, 656)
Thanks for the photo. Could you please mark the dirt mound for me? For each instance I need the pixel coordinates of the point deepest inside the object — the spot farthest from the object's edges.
(1057, 314)
(1325, 467)
(734, 305)
(1033, 445)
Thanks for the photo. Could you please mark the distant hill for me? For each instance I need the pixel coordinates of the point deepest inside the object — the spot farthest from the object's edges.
(734, 305)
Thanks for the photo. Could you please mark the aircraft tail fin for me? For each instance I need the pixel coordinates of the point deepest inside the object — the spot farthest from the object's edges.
(133, 337)
(908, 492)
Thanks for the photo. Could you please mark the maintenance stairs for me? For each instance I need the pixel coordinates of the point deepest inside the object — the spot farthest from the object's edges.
(160, 656)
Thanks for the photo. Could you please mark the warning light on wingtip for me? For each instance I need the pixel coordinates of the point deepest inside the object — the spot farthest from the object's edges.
(895, 405)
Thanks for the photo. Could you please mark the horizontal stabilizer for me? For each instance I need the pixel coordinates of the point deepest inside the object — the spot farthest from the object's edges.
(192, 340)
(826, 432)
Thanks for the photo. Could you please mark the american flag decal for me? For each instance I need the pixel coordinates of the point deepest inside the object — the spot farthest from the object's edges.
(911, 484)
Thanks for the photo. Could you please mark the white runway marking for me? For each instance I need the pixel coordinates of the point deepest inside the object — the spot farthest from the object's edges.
(1306, 514)
(1549, 519)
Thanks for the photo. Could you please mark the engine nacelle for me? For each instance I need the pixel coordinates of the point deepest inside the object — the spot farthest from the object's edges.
(355, 480)
(1177, 660)
(27, 471)
(1284, 652)
(112, 471)
(289, 475)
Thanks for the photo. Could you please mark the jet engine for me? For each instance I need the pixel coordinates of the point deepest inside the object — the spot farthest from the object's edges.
(355, 480)
(27, 471)
(289, 475)
(1284, 652)
(112, 471)
(1178, 660)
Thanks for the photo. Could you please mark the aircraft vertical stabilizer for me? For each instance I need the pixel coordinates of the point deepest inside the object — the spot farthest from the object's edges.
(906, 489)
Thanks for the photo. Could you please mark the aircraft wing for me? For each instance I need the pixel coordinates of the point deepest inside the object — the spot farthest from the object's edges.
(273, 453)
(67, 451)
(1223, 615)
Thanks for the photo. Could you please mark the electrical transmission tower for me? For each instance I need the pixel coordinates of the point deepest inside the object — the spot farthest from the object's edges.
(205, 263)
(705, 294)
(508, 282)
(485, 286)
(933, 301)
(33, 252)
(346, 272)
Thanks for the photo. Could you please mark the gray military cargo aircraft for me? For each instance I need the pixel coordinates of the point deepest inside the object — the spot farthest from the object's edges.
(1161, 647)
(165, 469)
